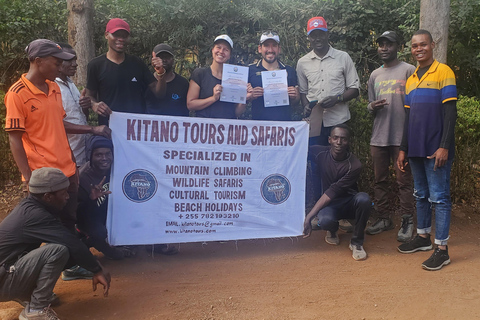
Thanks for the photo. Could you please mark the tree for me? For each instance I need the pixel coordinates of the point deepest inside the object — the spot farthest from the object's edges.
(80, 35)
(435, 17)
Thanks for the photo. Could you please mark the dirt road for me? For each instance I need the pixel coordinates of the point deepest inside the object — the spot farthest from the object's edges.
(284, 279)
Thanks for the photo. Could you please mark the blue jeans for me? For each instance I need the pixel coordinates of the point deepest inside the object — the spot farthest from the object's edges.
(432, 189)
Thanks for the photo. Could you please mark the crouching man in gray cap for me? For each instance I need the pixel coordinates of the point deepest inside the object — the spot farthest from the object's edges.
(29, 271)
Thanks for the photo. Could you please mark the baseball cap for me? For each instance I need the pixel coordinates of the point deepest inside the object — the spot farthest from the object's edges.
(269, 35)
(43, 48)
(316, 23)
(224, 37)
(47, 180)
(390, 36)
(116, 24)
(163, 47)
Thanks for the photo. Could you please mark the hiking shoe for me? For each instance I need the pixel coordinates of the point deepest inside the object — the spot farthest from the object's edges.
(379, 226)
(345, 226)
(358, 253)
(417, 244)
(75, 273)
(46, 314)
(437, 260)
(314, 223)
(332, 238)
(406, 230)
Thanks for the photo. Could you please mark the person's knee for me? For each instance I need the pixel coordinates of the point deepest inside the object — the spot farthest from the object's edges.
(420, 194)
(363, 200)
(325, 222)
(58, 252)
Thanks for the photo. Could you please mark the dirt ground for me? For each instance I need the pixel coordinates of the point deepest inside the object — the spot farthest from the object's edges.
(290, 278)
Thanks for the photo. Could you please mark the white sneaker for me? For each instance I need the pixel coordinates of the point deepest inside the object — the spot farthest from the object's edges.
(46, 314)
(332, 238)
(358, 253)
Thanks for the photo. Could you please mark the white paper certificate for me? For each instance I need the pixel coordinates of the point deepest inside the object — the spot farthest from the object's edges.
(275, 88)
(234, 83)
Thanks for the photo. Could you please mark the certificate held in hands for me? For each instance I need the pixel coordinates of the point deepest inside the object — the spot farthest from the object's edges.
(234, 83)
(275, 88)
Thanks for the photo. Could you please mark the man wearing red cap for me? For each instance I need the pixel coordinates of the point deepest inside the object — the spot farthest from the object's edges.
(118, 81)
(35, 121)
(327, 80)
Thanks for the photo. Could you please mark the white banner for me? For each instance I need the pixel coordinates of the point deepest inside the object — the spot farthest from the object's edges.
(180, 179)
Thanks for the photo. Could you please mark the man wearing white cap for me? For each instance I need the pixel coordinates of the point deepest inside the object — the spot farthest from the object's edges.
(118, 81)
(29, 271)
(327, 80)
(269, 48)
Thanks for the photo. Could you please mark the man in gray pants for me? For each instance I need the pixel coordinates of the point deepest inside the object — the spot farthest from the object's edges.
(29, 271)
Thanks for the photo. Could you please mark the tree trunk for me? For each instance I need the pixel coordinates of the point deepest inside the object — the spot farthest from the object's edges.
(80, 35)
(435, 17)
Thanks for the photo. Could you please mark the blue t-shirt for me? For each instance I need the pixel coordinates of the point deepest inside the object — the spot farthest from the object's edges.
(425, 98)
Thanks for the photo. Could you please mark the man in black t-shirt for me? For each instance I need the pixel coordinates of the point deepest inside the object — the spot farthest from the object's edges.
(339, 171)
(118, 81)
(173, 94)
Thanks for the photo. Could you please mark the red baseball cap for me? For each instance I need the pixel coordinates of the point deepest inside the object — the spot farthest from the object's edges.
(116, 24)
(316, 23)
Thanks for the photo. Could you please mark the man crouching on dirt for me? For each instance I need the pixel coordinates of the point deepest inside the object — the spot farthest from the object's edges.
(339, 171)
(29, 271)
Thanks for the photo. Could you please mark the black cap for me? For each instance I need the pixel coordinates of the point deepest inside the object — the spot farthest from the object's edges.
(390, 36)
(163, 47)
(43, 48)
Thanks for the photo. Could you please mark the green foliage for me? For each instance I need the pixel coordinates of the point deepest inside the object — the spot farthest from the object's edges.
(8, 169)
(21, 23)
(465, 178)
(464, 45)
(361, 124)
(190, 26)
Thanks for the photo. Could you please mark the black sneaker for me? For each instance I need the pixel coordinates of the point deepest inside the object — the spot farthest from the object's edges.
(75, 273)
(437, 260)
(406, 230)
(379, 226)
(417, 244)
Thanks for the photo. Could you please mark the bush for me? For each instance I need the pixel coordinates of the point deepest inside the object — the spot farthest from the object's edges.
(190, 27)
(465, 178)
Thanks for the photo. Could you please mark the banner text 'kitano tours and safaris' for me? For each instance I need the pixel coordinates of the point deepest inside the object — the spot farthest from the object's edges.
(179, 179)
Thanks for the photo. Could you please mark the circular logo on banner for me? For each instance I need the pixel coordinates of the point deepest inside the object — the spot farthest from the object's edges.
(275, 189)
(139, 185)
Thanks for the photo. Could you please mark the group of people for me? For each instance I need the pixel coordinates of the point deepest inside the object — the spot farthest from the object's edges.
(65, 163)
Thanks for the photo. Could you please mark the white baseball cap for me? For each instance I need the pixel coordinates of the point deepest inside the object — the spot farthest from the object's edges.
(269, 35)
(226, 38)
